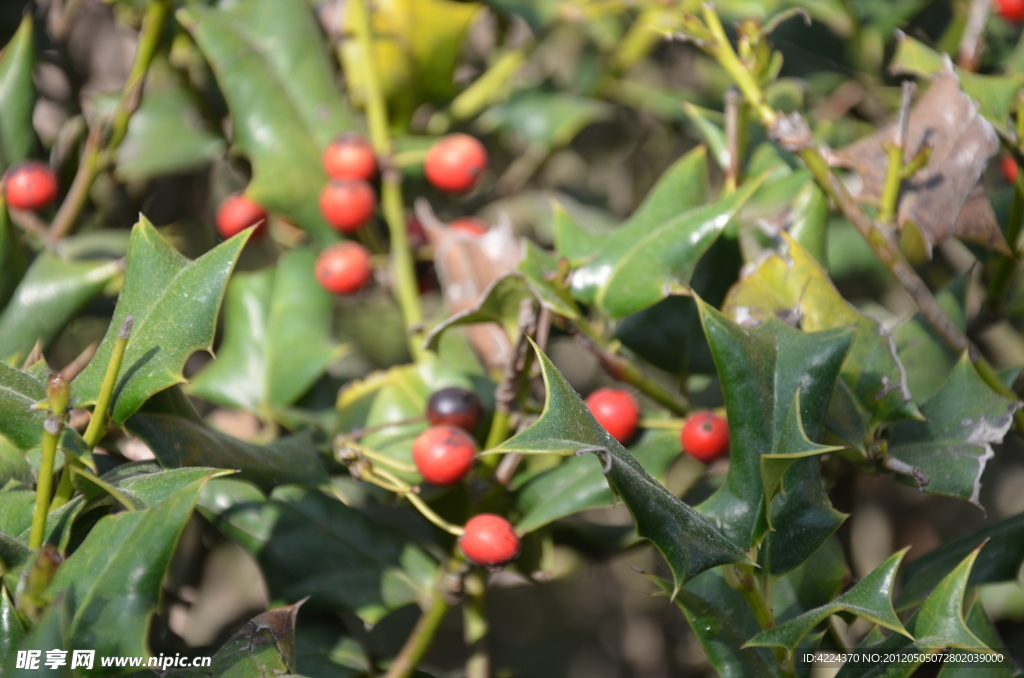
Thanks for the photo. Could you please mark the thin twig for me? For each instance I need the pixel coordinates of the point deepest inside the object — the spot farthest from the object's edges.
(507, 390)
(94, 157)
(971, 42)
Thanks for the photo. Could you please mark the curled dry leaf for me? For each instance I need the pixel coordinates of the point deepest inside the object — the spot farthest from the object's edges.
(944, 199)
(466, 266)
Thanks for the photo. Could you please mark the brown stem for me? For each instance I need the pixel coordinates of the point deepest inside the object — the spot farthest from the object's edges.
(971, 42)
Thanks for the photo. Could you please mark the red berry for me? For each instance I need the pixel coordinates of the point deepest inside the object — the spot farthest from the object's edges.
(347, 204)
(489, 541)
(30, 185)
(470, 225)
(705, 436)
(1011, 10)
(238, 213)
(343, 268)
(616, 410)
(455, 163)
(1009, 166)
(454, 406)
(443, 454)
(350, 156)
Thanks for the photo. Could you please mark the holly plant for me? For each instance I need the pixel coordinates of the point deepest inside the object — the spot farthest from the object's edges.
(317, 410)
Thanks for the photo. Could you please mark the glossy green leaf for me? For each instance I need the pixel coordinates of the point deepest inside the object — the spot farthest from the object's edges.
(927, 358)
(167, 134)
(12, 630)
(16, 504)
(688, 540)
(115, 576)
(816, 582)
(964, 418)
(174, 302)
(577, 484)
(795, 284)
(657, 250)
(722, 622)
(52, 292)
(870, 599)
(277, 337)
(309, 544)
(809, 222)
(22, 424)
(49, 633)
(144, 483)
(683, 187)
(709, 127)
(994, 94)
(980, 625)
(13, 464)
(14, 257)
(395, 397)
(777, 383)
(13, 553)
(17, 95)
(999, 561)
(265, 646)
(270, 61)
(939, 623)
(546, 119)
(178, 443)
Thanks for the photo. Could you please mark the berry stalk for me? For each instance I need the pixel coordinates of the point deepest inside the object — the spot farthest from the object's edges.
(403, 262)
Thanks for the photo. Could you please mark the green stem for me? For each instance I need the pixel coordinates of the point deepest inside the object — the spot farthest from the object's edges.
(474, 614)
(397, 485)
(98, 424)
(621, 369)
(92, 158)
(65, 489)
(891, 189)
(44, 486)
(406, 288)
(419, 641)
(500, 427)
(489, 86)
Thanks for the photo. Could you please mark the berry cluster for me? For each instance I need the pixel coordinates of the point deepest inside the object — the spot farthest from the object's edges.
(347, 202)
(704, 435)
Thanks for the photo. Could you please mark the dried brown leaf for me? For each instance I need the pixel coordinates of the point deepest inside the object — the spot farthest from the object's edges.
(944, 199)
(466, 266)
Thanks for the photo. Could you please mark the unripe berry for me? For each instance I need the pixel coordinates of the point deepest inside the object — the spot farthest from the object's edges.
(30, 185)
(616, 410)
(489, 541)
(1009, 167)
(455, 163)
(1011, 10)
(705, 436)
(454, 406)
(350, 156)
(238, 213)
(443, 454)
(347, 204)
(470, 225)
(343, 268)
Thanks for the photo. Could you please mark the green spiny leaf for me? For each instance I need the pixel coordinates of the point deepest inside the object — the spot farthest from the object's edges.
(761, 370)
(52, 292)
(174, 302)
(688, 540)
(17, 96)
(870, 599)
(277, 337)
(964, 418)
